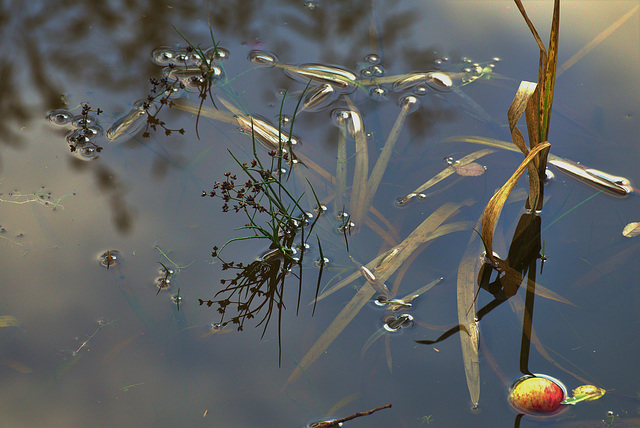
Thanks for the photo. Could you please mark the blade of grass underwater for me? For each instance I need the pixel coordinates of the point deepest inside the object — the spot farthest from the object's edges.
(383, 160)
(341, 171)
(387, 263)
(361, 168)
(494, 206)
(467, 318)
(343, 319)
(444, 174)
(596, 41)
(209, 112)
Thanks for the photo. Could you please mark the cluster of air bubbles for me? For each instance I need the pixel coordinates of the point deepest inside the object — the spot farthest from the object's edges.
(185, 57)
(263, 58)
(346, 227)
(372, 71)
(392, 323)
(378, 93)
(451, 161)
(441, 62)
(109, 258)
(83, 135)
(410, 103)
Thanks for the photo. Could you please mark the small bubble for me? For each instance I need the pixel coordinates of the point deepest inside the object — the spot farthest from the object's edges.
(109, 258)
(176, 298)
(59, 117)
(392, 323)
(311, 5)
(377, 70)
(303, 248)
(373, 59)
(319, 210)
(78, 136)
(81, 121)
(324, 262)
(410, 103)
(162, 283)
(87, 152)
(217, 54)
(163, 56)
(263, 58)
(421, 196)
(343, 215)
(378, 93)
(366, 72)
(346, 227)
(420, 90)
(439, 81)
(216, 326)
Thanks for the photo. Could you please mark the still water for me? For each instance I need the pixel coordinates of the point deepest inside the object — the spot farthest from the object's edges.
(90, 344)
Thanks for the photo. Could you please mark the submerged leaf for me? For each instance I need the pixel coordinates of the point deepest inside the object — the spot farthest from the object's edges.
(631, 230)
(473, 169)
(9, 321)
(585, 393)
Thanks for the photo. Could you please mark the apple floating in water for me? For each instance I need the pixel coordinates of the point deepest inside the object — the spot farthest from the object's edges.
(537, 395)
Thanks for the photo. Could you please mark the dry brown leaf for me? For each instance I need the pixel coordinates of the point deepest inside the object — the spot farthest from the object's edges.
(494, 207)
(473, 169)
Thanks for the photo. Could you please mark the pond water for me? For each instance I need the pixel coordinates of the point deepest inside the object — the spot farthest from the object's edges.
(84, 344)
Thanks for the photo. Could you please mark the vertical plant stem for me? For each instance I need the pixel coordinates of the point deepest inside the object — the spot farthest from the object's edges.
(341, 170)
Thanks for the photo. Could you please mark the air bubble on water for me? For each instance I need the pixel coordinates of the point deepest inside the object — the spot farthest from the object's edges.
(410, 103)
(109, 258)
(320, 97)
(380, 301)
(320, 209)
(377, 70)
(162, 283)
(420, 90)
(163, 56)
(80, 121)
(549, 175)
(378, 93)
(263, 58)
(343, 215)
(87, 152)
(214, 327)
(392, 323)
(409, 81)
(303, 247)
(373, 59)
(177, 299)
(421, 196)
(496, 59)
(217, 54)
(59, 117)
(366, 72)
(450, 161)
(346, 227)
(78, 136)
(311, 5)
(439, 81)
(340, 117)
(322, 262)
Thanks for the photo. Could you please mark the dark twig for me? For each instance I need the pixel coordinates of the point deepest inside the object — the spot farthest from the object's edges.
(336, 422)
